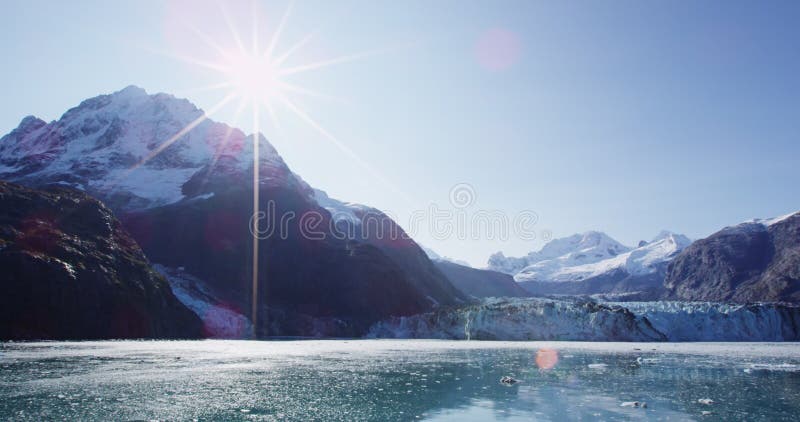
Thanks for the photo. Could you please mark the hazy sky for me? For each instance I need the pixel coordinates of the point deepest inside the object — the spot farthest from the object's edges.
(625, 117)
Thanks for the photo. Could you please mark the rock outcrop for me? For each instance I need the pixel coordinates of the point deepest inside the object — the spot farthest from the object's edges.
(68, 270)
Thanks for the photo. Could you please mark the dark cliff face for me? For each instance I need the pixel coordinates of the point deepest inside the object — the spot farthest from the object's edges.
(304, 281)
(69, 271)
(481, 283)
(380, 231)
(751, 262)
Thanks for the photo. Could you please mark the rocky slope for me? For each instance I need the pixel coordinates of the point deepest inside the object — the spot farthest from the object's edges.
(752, 262)
(480, 283)
(70, 271)
(308, 286)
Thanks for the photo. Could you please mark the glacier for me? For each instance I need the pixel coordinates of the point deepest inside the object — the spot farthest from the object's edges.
(219, 320)
(590, 320)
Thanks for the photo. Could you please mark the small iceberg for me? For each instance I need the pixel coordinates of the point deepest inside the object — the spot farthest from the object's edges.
(634, 404)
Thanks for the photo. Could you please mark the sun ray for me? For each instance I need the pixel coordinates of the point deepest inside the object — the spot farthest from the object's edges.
(206, 88)
(274, 40)
(316, 126)
(164, 145)
(331, 62)
(256, 186)
(297, 46)
(190, 60)
(225, 140)
(207, 40)
(311, 93)
(231, 27)
(254, 14)
(340, 11)
(273, 117)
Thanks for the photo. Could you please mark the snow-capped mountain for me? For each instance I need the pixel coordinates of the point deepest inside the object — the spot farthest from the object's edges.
(189, 205)
(572, 258)
(554, 261)
(640, 261)
(593, 262)
(95, 146)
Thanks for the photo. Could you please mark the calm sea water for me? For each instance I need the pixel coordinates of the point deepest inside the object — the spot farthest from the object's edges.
(396, 380)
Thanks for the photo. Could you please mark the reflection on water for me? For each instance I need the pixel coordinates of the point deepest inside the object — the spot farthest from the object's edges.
(396, 380)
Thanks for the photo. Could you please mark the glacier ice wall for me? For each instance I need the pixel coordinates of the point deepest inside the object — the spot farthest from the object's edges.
(526, 319)
(708, 321)
(582, 320)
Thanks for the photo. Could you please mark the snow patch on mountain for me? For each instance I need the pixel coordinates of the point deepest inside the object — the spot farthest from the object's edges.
(158, 186)
(433, 256)
(771, 221)
(219, 321)
(757, 224)
(340, 211)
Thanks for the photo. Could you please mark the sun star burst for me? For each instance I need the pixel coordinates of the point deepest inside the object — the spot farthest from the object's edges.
(255, 78)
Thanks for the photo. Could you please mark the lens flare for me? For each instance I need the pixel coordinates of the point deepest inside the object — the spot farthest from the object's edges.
(546, 358)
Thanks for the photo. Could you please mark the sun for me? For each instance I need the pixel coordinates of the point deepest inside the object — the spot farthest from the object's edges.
(253, 77)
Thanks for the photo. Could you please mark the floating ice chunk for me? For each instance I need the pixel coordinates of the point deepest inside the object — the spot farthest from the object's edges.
(775, 367)
(637, 404)
(598, 366)
(705, 401)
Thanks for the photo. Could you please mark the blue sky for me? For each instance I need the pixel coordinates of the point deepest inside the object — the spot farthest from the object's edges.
(626, 117)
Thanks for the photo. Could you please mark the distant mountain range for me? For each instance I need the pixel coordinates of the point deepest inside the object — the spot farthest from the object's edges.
(754, 261)
(182, 212)
(592, 263)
